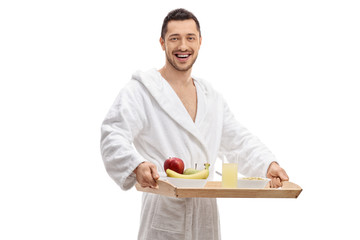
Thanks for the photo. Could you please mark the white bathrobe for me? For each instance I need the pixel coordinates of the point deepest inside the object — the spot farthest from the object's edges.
(148, 122)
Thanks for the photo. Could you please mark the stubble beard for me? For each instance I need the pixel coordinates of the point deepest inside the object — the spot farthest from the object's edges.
(179, 68)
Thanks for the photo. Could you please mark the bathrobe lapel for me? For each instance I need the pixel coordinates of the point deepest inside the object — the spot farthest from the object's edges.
(172, 105)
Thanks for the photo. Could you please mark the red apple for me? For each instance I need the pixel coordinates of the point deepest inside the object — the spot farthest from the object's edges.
(175, 164)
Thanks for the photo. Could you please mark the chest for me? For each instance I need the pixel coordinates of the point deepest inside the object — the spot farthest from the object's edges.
(188, 97)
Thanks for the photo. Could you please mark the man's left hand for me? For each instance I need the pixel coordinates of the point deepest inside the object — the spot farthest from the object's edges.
(277, 175)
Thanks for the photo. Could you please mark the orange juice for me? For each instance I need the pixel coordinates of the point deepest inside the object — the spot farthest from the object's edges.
(229, 175)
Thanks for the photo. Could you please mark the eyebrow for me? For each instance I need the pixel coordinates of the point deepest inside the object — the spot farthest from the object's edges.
(177, 34)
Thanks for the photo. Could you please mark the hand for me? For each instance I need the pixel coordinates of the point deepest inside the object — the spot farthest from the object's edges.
(277, 175)
(147, 174)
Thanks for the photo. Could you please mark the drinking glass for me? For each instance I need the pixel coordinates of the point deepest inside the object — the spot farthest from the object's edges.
(229, 173)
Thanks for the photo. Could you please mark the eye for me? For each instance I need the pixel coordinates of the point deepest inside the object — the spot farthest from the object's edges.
(173, 39)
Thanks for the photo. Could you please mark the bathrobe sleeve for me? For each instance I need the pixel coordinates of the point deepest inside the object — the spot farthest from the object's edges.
(239, 145)
(124, 121)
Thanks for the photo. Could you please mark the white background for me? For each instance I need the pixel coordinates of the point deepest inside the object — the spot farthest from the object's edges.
(289, 70)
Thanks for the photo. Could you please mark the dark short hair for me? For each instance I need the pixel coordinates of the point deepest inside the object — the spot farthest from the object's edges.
(178, 14)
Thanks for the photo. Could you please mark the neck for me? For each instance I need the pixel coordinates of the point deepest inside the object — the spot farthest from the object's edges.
(176, 77)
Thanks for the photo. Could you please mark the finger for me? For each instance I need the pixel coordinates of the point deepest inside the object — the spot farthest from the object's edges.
(153, 183)
(144, 183)
(156, 187)
(141, 181)
(275, 183)
(155, 176)
(146, 179)
(278, 182)
(272, 183)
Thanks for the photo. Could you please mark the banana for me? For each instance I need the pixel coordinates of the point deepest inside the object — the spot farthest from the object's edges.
(203, 174)
(190, 171)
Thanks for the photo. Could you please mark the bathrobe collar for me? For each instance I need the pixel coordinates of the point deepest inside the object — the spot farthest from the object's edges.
(163, 93)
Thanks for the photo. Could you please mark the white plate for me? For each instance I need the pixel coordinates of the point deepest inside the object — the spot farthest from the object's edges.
(187, 183)
(245, 183)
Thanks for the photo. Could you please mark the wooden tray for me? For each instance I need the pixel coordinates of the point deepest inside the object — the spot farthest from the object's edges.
(213, 189)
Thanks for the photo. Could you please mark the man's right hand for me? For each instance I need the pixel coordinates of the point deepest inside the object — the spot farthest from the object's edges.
(147, 174)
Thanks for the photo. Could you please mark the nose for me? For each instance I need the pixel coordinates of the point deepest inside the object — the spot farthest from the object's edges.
(183, 46)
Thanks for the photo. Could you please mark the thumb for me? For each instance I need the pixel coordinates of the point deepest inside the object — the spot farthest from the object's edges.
(154, 172)
(283, 176)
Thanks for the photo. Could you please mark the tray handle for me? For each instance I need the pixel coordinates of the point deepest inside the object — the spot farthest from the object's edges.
(164, 188)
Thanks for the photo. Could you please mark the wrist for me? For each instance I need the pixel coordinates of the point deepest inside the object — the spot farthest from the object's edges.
(135, 170)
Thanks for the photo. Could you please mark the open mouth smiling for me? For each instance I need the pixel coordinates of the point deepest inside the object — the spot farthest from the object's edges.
(182, 56)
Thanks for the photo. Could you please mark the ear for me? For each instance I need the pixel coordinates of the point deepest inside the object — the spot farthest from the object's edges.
(162, 43)
(200, 40)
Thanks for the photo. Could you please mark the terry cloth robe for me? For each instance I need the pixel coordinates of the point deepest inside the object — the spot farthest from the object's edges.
(148, 122)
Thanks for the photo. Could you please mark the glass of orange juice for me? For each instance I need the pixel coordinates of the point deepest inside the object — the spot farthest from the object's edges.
(229, 174)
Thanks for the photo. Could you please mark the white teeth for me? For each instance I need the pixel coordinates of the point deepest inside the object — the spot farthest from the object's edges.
(182, 56)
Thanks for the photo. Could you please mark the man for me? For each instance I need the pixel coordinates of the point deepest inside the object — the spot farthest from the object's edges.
(170, 113)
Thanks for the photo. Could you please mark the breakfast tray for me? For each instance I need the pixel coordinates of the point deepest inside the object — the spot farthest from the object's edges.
(213, 189)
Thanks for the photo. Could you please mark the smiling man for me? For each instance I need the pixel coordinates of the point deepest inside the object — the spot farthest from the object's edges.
(181, 42)
(167, 112)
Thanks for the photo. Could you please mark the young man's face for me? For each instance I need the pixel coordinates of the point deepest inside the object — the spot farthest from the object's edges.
(181, 44)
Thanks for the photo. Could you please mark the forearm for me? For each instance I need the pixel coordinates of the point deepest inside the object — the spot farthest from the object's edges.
(118, 153)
